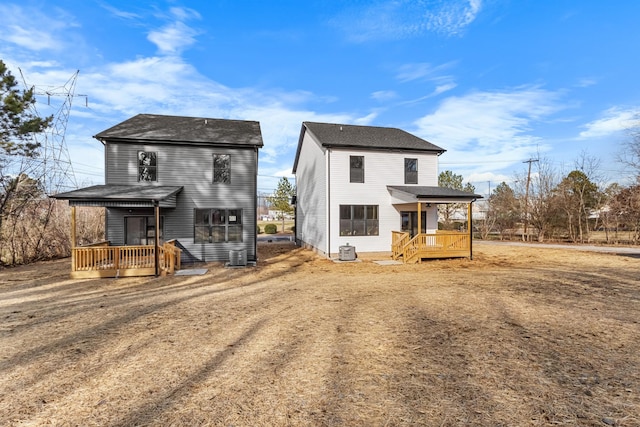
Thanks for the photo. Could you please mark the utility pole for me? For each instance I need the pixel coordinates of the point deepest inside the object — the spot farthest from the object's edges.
(525, 236)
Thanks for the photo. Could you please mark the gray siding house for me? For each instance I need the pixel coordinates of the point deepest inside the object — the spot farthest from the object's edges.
(200, 172)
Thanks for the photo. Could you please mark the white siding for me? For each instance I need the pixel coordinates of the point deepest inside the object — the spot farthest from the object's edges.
(380, 169)
(311, 185)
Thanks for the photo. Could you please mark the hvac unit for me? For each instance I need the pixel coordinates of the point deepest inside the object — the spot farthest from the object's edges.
(347, 253)
(238, 258)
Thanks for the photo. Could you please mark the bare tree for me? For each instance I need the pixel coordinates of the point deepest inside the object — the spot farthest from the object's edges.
(539, 207)
(630, 152)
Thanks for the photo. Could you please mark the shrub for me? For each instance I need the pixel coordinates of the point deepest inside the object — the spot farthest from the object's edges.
(271, 229)
(257, 229)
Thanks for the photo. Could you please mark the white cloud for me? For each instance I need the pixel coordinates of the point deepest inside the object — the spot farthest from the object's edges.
(384, 95)
(173, 38)
(613, 120)
(29, 28)
(423, 71)
(398, 19)
(493, 126)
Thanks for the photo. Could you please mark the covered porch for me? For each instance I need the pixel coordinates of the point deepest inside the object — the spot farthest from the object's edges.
(101, 259)
(420, 241)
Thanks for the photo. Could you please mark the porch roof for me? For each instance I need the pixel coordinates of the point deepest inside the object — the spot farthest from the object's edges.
(122, 196)
(415, 193)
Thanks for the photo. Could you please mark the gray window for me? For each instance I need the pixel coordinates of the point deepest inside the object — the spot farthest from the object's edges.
(217, 225)
(410, 171)
(147, 166)
(359, 220)
(356, 168)
(222, 168)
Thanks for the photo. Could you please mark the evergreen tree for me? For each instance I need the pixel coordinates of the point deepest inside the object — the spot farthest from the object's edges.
(281, 199)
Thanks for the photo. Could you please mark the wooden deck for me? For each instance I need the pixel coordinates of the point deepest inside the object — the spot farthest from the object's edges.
(102, 260)
(443, 244)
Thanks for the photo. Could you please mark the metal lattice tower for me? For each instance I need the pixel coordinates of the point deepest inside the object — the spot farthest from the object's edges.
(56, 168)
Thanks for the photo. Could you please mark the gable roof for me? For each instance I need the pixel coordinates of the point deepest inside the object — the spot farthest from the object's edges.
(180, 130)
(332, 135)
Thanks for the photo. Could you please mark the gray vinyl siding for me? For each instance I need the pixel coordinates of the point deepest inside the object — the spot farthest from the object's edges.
(190, 166)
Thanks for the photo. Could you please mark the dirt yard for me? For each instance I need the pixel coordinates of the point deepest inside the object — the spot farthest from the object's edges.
(516, 337)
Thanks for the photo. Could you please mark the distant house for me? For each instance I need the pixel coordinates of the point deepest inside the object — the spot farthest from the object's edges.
(374, 188)
(188, 180)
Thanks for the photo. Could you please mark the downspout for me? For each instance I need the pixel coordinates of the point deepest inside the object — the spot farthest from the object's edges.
(328, 207)
(470, 225)
(156, 239)
(255, 208)
(73, 238)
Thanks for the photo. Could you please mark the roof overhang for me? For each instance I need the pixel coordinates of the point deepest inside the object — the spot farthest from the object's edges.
(412, 194)
(122, 196)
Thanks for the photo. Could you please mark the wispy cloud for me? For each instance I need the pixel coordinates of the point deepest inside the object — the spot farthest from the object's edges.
(493, 126)
(29, 28)
(398, 19)
(435, 75)
(174, 37)
(384, 95)
(613, 120)
(423, 71)
(119, 13)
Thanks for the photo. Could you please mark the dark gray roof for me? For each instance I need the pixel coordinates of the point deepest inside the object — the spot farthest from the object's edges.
(112, 195)
(336, 135)
(177, 129)
(426, 192)
(363, 137)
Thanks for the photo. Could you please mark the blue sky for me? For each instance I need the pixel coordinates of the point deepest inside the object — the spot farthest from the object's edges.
(494, 82)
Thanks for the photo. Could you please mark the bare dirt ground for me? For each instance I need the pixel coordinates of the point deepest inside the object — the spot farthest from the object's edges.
(515, 337)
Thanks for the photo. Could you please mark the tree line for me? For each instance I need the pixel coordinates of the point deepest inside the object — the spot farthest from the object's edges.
(543, 203)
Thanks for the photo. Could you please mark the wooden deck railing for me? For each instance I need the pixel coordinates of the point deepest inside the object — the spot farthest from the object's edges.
(443, 244)
(102, 260)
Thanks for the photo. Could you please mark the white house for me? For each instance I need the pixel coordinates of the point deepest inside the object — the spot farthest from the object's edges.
(374, 188)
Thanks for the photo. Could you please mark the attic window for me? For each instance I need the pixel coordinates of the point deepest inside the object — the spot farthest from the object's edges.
(147, 166)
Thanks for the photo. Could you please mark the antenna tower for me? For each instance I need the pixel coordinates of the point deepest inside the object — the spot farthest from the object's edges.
(56, 167)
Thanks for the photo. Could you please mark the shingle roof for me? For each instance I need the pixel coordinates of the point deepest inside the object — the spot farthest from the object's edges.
(142, 193)
(337, 135)
(426, 192)
(363, 137)
(178, 129)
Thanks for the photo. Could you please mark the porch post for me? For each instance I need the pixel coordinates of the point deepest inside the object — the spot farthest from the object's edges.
(470, 227)
(73, 238)
(157, 236)
(419, 218)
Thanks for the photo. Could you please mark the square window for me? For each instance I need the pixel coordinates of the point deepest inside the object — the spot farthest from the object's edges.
(217, 225)
(359, 220)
